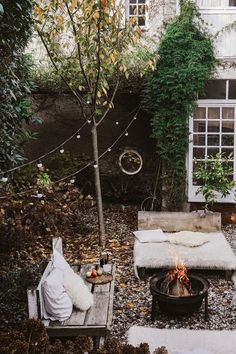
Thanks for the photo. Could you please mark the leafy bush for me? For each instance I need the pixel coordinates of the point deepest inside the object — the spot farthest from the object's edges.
(214, 176)
(15, 85)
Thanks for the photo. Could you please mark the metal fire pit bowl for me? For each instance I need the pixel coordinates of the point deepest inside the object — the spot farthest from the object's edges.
(179, 305)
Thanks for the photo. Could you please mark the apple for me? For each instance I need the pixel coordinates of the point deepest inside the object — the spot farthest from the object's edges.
(88, 274)
(94, 273)
(99, 271)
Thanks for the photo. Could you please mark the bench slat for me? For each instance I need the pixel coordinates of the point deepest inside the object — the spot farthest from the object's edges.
(97, 314)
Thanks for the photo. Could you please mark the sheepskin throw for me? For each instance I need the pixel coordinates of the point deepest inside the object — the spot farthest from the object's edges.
(215, 254)
(188, 238)
(79, 293)
(184, 341)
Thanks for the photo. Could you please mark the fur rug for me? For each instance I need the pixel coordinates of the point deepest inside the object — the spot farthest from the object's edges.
(215, 254)
(188, 238)
(79, 293)
(184, 341)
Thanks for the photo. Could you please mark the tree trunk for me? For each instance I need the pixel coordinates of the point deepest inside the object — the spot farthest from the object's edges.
(102, 234)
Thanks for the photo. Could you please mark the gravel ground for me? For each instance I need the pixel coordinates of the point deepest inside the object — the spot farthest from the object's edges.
(132, 303)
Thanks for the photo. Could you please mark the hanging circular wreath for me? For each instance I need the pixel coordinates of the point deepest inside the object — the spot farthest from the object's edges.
(130, 162)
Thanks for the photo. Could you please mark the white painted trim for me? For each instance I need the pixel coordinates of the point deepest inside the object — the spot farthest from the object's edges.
(147, 3)
(192, 196)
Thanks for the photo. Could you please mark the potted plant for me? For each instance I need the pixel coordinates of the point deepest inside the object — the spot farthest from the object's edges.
(214, 178)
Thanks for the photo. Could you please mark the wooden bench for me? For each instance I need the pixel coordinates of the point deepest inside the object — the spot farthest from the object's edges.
(95, 322)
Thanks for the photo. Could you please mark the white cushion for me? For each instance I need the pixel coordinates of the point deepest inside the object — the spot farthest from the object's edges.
(79, 293)
(59, 261)
(58, 304)
(145, 236)
(189, 238)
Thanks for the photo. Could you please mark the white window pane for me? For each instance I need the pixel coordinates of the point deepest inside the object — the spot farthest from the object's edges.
(227, 113)
(232, 2)
(199, 126)
(213, 140)
(215, 89)
(212, 151)
(198, 153)
(199, 139)
(214, 113)
(227, 140)
(227, 126)
(200, 113)
(213, 126)
(228, 151)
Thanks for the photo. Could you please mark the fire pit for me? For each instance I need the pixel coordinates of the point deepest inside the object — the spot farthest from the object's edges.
(177, 293)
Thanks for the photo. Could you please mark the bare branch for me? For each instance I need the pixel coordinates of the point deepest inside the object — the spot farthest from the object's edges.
(78, 97)
(78, 47)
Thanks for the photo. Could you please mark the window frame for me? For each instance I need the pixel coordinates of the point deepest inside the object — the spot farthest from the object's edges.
(210, 103)
(128, 16)
(208, 9)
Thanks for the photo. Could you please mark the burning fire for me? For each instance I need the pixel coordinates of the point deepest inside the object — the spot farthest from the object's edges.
(177, 282)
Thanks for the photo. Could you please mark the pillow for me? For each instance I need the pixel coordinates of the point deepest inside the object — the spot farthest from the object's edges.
(145, 236)
(78, 292)
(56, 301)
(59, 261)
(188, 238)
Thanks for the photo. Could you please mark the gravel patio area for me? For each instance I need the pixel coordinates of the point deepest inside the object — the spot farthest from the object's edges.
(132, 303)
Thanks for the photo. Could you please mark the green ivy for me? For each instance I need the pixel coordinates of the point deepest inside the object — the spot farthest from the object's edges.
(186, 62)
(15, 84)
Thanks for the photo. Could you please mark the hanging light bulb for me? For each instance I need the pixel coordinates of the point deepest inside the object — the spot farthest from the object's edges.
(89, 121)
(88, 102)
(78, 136)
(135, 117)
(109, 149)
(126, 134)
(39, 164)
(95, 165)
(72, 180)
(62, 150)
(117, 123)
(4, 179)
(39, 195)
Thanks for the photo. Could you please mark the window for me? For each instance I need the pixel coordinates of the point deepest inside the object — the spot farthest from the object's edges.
(137, 10)
(211, 4)
(232, 2)
(219, 90)
(213, 130)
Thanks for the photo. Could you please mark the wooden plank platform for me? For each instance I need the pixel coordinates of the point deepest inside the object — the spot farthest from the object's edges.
(95, 322)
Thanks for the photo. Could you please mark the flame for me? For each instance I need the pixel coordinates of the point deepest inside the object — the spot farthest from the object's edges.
(178, 276)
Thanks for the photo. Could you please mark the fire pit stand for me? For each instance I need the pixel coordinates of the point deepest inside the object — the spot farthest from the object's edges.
(179, 305)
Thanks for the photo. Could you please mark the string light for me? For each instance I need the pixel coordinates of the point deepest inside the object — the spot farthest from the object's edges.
(4, 179)
(62, 150)
(39, 164)
(117, 123)
(39, 195)
(89, 121)
(72, 176)
(78, 136)
(72, 180)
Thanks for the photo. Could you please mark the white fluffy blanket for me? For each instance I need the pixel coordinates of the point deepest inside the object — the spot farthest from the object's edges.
(79, 293)
(184, 341)
(215, 254)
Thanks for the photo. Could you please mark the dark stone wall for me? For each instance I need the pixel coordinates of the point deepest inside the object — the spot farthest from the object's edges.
(61, 118)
